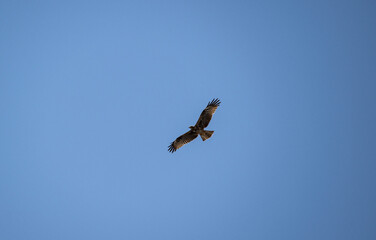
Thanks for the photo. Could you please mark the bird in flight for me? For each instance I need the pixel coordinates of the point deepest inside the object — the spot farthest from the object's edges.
(198, 129)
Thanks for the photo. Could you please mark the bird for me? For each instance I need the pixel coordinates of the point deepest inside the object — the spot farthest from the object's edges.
(198, 129)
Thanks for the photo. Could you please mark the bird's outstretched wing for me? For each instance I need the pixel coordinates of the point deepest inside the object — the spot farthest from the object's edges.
(183, 139)
(207, 114)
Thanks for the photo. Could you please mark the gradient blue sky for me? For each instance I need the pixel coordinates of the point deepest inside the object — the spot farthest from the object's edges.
(93, 92)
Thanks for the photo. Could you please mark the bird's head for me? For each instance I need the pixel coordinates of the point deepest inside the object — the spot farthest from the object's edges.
(191, 127)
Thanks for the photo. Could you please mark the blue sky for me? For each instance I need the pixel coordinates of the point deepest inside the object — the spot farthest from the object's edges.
(93, 92)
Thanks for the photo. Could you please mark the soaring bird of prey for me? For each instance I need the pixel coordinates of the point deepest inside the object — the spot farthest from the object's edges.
(198, 129)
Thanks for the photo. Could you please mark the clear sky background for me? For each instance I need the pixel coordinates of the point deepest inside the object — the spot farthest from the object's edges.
(93, 92)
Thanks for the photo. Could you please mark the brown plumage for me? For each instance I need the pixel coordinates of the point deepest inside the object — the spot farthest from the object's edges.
(198, 129)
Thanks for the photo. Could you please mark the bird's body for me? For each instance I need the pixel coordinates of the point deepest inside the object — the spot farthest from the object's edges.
(198, 129)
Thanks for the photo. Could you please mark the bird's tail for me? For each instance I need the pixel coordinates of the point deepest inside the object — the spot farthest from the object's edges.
(206, 134)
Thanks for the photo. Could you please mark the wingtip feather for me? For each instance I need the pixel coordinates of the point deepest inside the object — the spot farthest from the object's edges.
(171, 148)
(215, 102)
